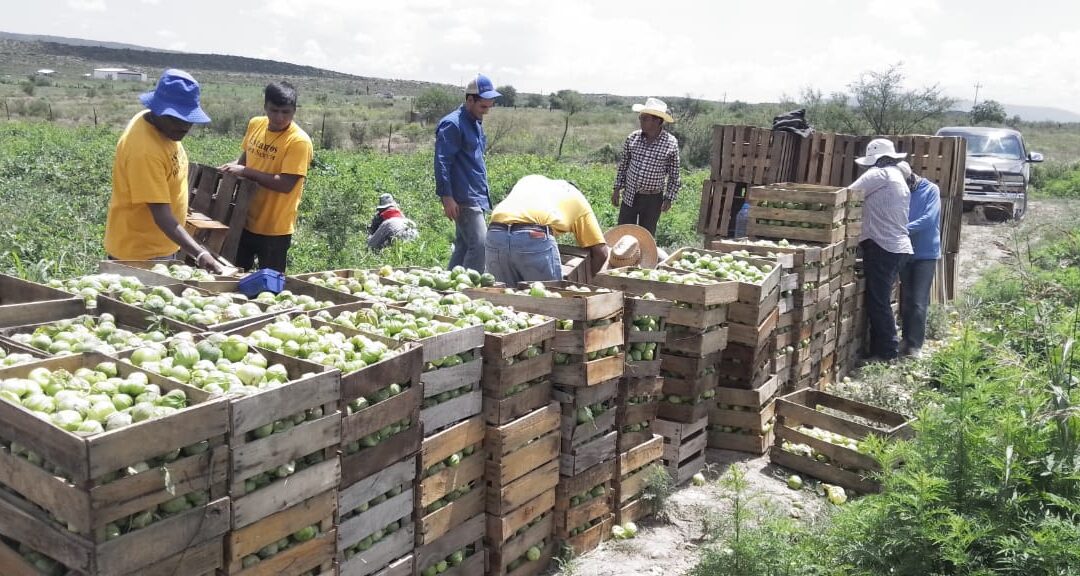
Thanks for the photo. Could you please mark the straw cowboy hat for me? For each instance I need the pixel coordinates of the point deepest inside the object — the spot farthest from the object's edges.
(654, 106)
(877, 149)
(631, 245)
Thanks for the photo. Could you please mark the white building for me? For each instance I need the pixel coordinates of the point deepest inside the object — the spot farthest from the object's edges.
(45, 72)
(119, 74)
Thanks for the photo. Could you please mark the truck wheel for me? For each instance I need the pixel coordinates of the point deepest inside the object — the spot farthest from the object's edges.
(1020, 207)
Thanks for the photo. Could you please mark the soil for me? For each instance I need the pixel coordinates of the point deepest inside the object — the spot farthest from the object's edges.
(671, 546)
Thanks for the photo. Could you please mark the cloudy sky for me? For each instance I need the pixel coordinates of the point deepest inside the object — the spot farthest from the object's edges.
(1020, 52)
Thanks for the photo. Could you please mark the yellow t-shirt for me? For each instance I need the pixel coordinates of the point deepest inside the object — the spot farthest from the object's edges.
(540, 200)
(148, 169)
(286, 152)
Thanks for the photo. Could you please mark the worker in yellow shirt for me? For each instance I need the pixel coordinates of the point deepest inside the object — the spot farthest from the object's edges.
(149, 202)
(276, 155)
(521, 245)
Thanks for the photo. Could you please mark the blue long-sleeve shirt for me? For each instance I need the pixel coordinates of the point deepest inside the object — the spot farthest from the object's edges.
(924, 216)
(460, 170)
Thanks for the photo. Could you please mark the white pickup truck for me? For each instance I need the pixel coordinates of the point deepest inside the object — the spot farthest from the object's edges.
(998, 169)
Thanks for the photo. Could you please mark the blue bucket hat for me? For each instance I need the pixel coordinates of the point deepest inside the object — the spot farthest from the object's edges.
(176, 95)
(483, 87)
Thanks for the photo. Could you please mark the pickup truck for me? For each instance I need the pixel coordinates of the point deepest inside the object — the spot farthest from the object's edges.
(997, 171)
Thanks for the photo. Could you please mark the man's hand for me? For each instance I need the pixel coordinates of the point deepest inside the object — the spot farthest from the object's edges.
(233, 168)
(450, 207)
(615, 198)
(665, 206)
(207, 262)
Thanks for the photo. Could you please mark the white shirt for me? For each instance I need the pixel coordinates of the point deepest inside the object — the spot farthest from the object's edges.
(885, 208)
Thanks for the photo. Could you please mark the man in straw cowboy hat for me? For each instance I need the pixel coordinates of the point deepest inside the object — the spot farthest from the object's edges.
(647, 179)
(884, 240)
(521, 245)
(631, 245)
(149, 200)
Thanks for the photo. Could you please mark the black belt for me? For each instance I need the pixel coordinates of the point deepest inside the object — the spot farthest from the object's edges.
(516, 227)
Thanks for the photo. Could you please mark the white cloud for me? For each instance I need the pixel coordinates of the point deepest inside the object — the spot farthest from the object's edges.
(87, 5)
(151, 2)
(463, 35)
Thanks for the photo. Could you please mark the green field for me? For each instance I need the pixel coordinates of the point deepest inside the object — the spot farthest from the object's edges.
(55, 186)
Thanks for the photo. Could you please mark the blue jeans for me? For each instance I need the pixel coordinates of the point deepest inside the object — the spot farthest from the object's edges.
(880, 268)
(915, 279)
(523, 256)
(469, 239)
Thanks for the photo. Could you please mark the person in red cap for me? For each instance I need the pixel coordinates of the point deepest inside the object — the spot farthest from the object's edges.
(461, 181)
(149, 200)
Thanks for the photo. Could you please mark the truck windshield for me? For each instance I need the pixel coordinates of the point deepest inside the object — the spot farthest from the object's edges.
(1000, 145)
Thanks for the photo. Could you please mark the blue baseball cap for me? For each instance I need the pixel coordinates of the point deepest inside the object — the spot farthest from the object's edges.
(483, 87)
(176, 95)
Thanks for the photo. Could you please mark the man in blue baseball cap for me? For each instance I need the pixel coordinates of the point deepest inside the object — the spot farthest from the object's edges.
(149, 201)
(461, 174)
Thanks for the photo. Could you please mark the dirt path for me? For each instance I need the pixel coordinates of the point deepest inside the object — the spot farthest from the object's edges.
(671, 547)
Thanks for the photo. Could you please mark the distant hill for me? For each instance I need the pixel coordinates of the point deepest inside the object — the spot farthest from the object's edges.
(74, 41)
(1031, 113)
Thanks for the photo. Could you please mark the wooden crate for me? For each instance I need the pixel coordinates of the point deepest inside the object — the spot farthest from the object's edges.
(748, 293)
(745, 367)
(635, 308)
(754, 313)
(88, 506)
(697, 316)
(143, 270)
(223, 198)
(300, 558)
(455, 410)
(584, 445)
(469, 473)
(688, 367)
(753, 335)
(633, 470)
(403, 369)
(125, 318)
(750, 442)
(743, 418)
(352, 529)
(696, 342)
(569, 514)
(248, 458)
(720, 292)
(502, 403)
(590, 539)
(469, 535)
(639, 413)
(684, 447)
(174, 325)
(575, 306)
(22, 301)
(844, 467)
(536, 530)
(582, 374)
(522, 460)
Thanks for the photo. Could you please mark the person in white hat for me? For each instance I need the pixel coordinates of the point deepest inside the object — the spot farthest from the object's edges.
(884, 241)
(521, 245)
(647, 180)
(389, 225)
(631, 245)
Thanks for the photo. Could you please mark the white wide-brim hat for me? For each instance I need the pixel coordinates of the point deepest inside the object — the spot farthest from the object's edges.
(654, 106)
(631, 245)
(877, 149)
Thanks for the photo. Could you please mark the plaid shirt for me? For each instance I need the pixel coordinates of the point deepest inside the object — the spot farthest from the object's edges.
(644, 165)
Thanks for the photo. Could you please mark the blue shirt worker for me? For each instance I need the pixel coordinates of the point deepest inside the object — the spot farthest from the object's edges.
(916, 277)
(461, 175)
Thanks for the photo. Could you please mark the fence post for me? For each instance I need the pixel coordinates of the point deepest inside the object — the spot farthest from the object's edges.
(389, 133)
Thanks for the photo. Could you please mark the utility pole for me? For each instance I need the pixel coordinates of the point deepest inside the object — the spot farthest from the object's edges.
(976, 100)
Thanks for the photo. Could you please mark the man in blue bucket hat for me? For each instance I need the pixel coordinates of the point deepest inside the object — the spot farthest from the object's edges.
(149, 201)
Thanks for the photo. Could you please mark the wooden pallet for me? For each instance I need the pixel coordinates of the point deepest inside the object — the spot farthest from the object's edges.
(300, 558)
(469, 472)
(470, 534)
(844, 467)
(570, 515)
(720, 202)
(522, 460)
(22, 301)
(400, 509)
(223, 198)
(752, 155)
(684, 447)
